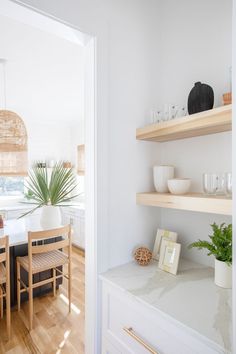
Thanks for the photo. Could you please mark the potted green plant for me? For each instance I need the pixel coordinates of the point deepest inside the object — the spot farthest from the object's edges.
(220, 247)
(50, 189)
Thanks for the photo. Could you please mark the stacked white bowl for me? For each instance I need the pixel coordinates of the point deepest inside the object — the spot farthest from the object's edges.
(165, 182)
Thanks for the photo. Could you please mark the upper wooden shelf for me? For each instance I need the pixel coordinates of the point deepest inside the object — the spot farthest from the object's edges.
(192, 202)
(216, 120)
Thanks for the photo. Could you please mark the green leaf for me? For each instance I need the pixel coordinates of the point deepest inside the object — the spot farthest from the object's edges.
(220, 244)
(54, 189)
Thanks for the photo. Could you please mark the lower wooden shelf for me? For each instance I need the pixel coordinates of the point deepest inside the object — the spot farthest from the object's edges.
(192, 202)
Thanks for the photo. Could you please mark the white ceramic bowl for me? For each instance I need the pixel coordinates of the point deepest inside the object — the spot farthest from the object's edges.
(179, 185)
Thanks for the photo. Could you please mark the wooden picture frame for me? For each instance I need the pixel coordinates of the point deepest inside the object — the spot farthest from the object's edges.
(169, 256)
(161, 233)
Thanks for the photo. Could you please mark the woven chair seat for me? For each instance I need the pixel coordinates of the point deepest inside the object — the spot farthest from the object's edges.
(2, 274)
(44, 261)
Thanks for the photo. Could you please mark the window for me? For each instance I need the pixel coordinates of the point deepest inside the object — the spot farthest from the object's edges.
(11, 186)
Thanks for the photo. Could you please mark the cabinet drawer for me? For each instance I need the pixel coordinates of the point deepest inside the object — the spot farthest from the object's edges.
(127, 324)
(109, 348)
(140, 330)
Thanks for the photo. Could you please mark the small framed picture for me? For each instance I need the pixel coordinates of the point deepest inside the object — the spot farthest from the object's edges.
(169, 256)
(169, 235)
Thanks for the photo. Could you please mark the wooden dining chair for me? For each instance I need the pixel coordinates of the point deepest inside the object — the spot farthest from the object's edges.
(42, 257)
(5, 281)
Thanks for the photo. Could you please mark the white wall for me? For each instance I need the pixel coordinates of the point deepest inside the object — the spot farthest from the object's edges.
(195, 46)
(45, 86)
(124, 32)
(48, 141)
(77, 137)
(167, 47)
(131, 95)
(128, 84)
(192, 157)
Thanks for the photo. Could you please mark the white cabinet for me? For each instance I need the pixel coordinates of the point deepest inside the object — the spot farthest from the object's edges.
(75, 217)
(132, 327)
(108, 348)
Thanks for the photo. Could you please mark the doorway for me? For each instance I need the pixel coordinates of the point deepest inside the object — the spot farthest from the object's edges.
(55, 27)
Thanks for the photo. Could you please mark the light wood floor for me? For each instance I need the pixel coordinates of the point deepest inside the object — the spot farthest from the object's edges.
(55, 330)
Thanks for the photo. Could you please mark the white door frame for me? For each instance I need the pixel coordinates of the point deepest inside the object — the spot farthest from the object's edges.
(25, 14)
(234, 171)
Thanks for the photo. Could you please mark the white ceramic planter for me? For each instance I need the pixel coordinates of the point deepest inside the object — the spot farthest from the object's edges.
(161, 174)
(50, 217)
(223, 274)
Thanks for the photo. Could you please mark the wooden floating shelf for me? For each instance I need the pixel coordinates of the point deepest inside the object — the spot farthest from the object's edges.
(192, 202)
(216, 120)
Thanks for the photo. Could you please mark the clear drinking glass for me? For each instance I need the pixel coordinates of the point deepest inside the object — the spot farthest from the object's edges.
(158, 116)
(182, 112)
(166, 112)
(173, 111)
(151, 116)
(170, 111)
(228, 183)
(221, 184)
(210, 183)
(155, 116)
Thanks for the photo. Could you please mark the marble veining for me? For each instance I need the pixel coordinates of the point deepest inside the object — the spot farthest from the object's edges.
(190, 297)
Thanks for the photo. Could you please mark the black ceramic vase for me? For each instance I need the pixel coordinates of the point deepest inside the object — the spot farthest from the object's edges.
(201, 98)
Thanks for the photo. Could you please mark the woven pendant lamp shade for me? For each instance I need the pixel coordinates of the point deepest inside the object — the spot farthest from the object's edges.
(13, 145)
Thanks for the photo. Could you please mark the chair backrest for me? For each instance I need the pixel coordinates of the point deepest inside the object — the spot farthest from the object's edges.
(41, 236)
(5, 257)
(4, 245)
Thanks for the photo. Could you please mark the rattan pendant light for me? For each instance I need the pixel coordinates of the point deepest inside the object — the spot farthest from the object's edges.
(13, 140)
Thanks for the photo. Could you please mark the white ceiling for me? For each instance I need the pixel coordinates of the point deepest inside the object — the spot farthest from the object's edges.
(44, 74)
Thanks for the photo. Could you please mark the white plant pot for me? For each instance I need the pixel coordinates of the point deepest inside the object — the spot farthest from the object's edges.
(50, 217)
(223, 274)
(161, 174)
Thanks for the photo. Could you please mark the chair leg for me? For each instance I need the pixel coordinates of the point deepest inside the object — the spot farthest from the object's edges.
(69, 285)
(1, 302)
(18, 284)
(8, 309)
(30, 301)
(54, 282)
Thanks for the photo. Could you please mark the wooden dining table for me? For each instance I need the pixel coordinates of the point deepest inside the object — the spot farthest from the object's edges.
(17, 230)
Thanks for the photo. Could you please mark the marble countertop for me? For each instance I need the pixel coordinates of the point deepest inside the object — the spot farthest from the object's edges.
(17, 229)
(191, 298)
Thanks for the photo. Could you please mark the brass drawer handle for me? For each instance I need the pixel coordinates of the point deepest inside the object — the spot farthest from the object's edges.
(131, 333)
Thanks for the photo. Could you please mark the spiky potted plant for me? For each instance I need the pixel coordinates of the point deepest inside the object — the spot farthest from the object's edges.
(220, 247)
(50, 190)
